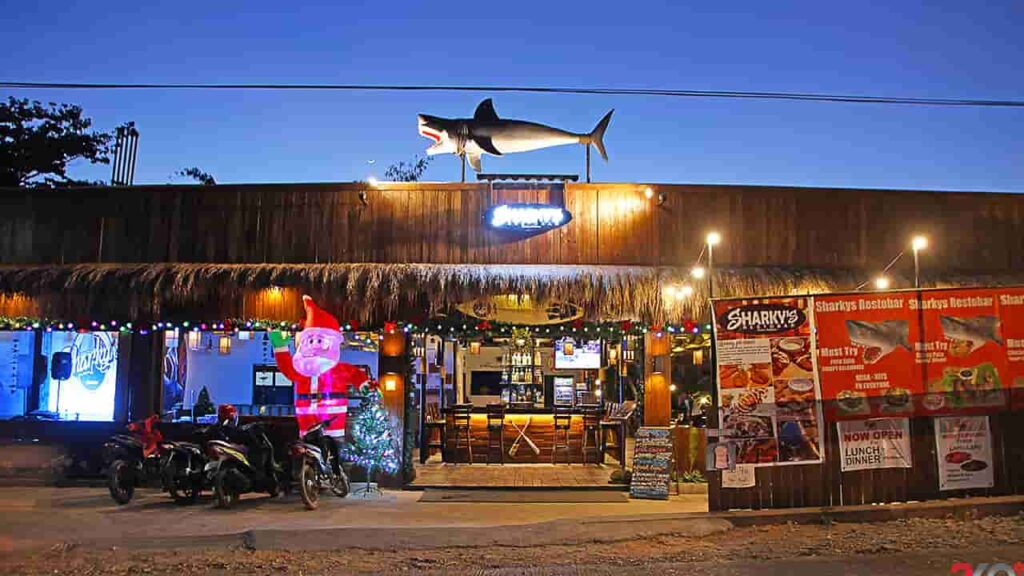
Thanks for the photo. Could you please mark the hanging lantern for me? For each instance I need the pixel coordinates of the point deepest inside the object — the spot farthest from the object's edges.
(393, 344)
(474, 348)
(698, 357)
(224, 346)
(194, 340)
(390, 381)
(613, 355)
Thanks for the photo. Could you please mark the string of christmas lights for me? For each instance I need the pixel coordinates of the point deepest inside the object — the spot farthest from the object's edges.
(462, 328)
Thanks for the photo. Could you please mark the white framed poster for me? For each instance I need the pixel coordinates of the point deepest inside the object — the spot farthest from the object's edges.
(740, 477)
(874, 444)
(964, 452)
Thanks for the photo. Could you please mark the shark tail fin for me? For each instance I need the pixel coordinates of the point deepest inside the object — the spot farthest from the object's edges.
(596, 136)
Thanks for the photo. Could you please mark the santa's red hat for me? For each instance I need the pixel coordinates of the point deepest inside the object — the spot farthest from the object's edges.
(317, 318)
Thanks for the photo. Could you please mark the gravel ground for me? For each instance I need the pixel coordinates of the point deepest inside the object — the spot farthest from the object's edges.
(755, 546)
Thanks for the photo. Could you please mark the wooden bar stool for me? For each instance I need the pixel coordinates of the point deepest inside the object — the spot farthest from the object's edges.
(461, 416)
(496, 430)
(592, 435)
(563, 425)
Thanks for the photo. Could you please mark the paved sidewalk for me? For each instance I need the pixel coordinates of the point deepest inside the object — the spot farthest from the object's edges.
(44, 516)
(36, 518)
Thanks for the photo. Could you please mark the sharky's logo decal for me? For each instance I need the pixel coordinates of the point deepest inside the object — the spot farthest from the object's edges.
(762, 319)
(93, 354)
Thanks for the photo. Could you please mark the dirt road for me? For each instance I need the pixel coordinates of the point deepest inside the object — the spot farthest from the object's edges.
(905, 547)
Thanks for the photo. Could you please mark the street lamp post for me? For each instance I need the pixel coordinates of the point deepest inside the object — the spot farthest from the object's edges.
(917, 244)
(712, 239)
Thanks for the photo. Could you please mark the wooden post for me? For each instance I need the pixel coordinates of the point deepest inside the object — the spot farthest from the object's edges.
(391, 378)
(657, 377)
(588, 163)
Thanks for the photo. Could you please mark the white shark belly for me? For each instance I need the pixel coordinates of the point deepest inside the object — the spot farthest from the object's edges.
(512, 143)
(526, 136)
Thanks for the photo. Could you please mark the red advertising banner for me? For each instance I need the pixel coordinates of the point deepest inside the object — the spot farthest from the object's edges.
(866, 354)
(961, 353)
(1011, 315)
(768, 391)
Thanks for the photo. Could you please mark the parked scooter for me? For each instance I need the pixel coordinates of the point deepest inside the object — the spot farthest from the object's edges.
(132, 458)
(244, 464)
(316, 465)
(142, 454)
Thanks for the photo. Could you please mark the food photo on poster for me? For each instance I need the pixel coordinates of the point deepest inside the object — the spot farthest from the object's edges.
(962, 351)
(865, 355)
(768, 392)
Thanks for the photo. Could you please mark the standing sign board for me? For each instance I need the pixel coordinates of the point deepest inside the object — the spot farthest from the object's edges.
(964, 452)
(768, 393)
(874, 444)
(652, 463)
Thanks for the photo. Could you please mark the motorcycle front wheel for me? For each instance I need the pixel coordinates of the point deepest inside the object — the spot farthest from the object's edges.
(309, 486)
(121, 482)
(225, 495)
(341, 486)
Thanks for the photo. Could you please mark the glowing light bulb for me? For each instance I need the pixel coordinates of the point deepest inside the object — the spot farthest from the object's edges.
(882, 283)
(698, 272)
(919, 243)
(714, 238)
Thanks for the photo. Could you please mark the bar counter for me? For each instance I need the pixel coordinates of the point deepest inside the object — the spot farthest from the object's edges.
(528, 432)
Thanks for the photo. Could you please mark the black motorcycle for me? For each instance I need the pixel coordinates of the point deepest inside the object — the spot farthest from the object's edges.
(316, 465)
(243, 464)
(135, 458)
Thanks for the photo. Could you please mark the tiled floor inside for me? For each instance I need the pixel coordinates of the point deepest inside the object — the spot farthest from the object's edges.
(437, 474)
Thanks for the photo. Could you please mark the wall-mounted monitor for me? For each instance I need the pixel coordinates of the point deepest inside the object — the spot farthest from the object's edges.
(573, 355)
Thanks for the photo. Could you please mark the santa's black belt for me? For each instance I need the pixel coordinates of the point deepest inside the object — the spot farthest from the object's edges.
(322, 396)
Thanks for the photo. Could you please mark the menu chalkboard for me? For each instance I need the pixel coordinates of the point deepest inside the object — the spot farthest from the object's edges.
(652, 464)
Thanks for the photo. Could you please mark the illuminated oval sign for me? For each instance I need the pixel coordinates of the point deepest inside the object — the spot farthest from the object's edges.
(762, 319)
(520, 309)
(526, 217)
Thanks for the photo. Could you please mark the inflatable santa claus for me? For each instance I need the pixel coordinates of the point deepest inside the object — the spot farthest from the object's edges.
(321, 379)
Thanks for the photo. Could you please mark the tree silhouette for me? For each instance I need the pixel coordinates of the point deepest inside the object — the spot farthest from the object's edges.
(37, 142)
(408, 172)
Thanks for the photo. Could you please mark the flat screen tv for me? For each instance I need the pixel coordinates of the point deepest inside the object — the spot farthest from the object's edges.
(572, 355)
(485, 383)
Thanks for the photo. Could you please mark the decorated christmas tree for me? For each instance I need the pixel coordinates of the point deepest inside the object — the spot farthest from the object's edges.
(373, 445)
(203, 405)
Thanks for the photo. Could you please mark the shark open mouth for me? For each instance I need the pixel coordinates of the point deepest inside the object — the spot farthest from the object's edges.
(430, 133)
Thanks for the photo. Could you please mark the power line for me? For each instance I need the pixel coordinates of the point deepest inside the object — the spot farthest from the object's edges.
(799, 96)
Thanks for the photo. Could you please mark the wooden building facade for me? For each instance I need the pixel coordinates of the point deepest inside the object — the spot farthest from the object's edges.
(394, 251)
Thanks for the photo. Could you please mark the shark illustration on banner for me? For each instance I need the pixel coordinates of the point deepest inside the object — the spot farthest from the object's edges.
(321, 379)
(485, 133)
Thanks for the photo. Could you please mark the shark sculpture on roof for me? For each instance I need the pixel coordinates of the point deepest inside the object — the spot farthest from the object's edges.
(485, 133)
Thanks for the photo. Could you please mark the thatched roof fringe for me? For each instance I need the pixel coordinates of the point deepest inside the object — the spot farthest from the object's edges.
(605, 292)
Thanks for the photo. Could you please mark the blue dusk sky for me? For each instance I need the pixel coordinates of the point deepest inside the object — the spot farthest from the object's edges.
(940, 49)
